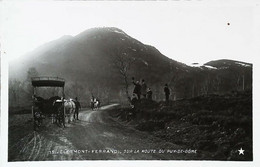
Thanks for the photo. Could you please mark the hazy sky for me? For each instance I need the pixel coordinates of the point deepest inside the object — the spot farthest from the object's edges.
(184, 31)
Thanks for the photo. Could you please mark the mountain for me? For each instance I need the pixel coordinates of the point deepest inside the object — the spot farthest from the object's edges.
(89, 61)
(90, 53)
(222, 76)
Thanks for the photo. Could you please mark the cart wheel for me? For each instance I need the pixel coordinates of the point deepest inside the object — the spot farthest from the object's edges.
(63, 120)
(35, 122)
(61, 117)
(37, 119)
(33, 119)
(34, 125)
(64, 115)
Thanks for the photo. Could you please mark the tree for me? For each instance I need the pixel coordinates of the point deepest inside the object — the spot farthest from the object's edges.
(240, 80)
(171, 79)
(32, 72)
(76, 89)
(206, 85)
(217, 83)
(15, 89)
(122, 62)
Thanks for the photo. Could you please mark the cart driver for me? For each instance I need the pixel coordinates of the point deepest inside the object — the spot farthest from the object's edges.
(77, 104)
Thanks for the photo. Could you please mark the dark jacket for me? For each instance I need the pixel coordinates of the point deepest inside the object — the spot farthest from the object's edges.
(166, 90)
(143, 88)
(77, 104)
(149, 94)
(137, 89)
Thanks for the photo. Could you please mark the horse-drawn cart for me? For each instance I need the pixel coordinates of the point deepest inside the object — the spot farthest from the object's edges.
(52, 107)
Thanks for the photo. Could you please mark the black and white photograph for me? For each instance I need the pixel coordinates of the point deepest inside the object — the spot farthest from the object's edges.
(102, 81)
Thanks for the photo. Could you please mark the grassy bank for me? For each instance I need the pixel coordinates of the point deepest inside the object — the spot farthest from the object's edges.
(218, 124)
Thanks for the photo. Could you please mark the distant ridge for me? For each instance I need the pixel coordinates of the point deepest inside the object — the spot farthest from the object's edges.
(88, 59)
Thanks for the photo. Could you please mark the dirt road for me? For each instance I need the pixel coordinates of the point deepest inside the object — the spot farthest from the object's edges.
(96, 136)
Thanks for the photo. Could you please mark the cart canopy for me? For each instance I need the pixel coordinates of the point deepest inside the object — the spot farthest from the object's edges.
(48, 82)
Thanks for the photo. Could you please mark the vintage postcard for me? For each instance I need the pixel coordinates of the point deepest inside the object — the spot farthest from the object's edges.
(129, 83)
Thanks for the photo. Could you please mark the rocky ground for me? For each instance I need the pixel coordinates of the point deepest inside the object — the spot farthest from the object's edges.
(218, 124)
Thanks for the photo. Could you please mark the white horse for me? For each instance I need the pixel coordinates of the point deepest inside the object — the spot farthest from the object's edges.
(64, 108)
(96, 105)
(70, 108)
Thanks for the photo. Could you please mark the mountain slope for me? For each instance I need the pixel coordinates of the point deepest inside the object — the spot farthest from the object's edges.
(89, 60)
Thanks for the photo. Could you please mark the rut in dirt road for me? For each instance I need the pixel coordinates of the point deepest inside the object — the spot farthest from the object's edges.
(96, 136)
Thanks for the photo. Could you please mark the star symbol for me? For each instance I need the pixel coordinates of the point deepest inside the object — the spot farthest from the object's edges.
(241, 151)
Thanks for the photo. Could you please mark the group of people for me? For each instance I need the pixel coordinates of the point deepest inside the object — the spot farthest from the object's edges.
(142, 91)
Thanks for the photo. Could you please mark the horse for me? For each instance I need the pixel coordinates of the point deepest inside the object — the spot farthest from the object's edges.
(44, 108)
(67, 107)
(70, 108)
(77, 107)
(95, 104)
(92, 103)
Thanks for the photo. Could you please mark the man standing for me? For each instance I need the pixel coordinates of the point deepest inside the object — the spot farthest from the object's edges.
(149, 94)
(92, 102)
(166, 92)
(143, 88)
(137, 88)
(77, 104)
(133, 112)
